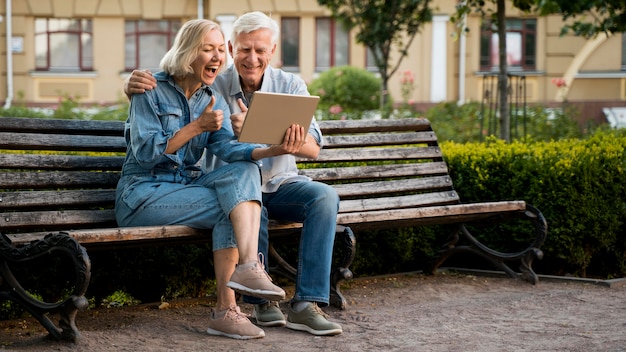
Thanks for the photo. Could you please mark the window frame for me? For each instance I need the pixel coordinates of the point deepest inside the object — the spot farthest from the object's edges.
(333, 27)
(290, 67)
(173, 26)
(83, 33)
(528, 61)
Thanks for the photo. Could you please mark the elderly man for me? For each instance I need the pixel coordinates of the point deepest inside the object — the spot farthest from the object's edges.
(286, 195)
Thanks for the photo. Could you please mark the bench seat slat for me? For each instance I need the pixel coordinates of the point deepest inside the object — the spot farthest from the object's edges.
(430, 215)
(60, 162)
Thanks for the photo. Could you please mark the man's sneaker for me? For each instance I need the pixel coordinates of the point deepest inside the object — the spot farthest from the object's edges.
(312, 320)
(268, 314)
(232, 323)
(252, 280)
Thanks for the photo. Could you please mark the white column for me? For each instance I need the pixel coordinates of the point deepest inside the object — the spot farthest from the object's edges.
(226, 22)
(439, 58)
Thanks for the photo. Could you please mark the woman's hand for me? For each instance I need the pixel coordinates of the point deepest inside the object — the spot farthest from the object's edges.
(211, 120)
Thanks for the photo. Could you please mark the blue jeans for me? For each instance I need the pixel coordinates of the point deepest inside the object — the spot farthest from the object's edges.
(147, 198)
(315, 205)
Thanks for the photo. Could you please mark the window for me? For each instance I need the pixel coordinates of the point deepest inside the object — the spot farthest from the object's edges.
(331, 45)
(63, 45)
(370, 63)
(290, 43)
(147, 41)
(520, 45)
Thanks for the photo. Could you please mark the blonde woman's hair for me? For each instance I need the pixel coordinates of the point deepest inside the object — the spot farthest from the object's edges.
(187, 45)
(250, 22)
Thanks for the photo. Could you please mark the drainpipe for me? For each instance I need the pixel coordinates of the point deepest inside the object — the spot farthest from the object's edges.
(200, 9)
(9, 36)
(462, 52)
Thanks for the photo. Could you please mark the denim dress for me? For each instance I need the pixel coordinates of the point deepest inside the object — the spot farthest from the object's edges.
(166, 189)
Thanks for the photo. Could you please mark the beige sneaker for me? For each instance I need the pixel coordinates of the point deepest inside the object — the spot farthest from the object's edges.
(233, 323)
(252, 280)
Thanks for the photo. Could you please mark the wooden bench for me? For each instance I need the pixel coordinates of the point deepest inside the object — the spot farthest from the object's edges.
(388, 173)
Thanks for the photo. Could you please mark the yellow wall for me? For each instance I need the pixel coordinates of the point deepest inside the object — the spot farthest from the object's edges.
(574, 58)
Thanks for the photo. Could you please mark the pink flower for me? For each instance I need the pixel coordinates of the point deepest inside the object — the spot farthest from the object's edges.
(407, 77)
(559, 82)
(335, 109)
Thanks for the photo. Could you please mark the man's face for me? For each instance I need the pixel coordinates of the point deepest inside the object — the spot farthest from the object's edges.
(251, 56)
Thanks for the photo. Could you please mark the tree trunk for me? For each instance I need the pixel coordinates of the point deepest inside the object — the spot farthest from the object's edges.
(505, 121)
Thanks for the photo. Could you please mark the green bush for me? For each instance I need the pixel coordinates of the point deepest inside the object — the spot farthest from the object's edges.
(579, 185)
(346, 92)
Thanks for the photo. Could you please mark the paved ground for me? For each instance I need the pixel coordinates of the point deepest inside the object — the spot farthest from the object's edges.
(409, 312)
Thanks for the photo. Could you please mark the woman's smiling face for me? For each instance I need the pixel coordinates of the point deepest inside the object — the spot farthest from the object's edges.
(211, 57)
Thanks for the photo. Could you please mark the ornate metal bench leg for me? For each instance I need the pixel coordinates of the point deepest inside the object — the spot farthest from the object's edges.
(498, 259)
(66, 309)
(342, 271)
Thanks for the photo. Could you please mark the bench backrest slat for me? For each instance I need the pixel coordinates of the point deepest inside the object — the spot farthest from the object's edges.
(375, 171)
(362, 140)
(41, 141)
(36, 125)
(56, 199)
(59, 219)
(60, 162)
(54, 179)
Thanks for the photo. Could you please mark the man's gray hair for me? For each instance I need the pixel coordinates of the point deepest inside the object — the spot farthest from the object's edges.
(252, 21)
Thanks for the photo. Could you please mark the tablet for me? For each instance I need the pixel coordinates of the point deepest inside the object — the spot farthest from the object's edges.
(270, 115)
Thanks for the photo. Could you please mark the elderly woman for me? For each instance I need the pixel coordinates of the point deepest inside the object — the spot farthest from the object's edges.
(167, 131)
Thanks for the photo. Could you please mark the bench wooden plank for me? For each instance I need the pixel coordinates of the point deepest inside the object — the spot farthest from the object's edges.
(41, 141)
(52, 179)
(38, 125)
(375, 171)
(377, 154)
(399, 202)
(368, 190)
(363, 140)
(60, 162)
(330, 127)
(62, 198)
(56, 219)
(431, 215)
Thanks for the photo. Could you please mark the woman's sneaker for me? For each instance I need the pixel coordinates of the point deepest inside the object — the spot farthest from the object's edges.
(252, 280)
(312, 320)
(268, 314)
(232, 323)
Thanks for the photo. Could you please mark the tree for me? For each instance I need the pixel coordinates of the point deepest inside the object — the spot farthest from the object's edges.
(588, 17)
(497, 15)
(383, 26)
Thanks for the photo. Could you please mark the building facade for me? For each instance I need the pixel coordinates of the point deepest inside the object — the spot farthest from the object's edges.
(85, 49)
